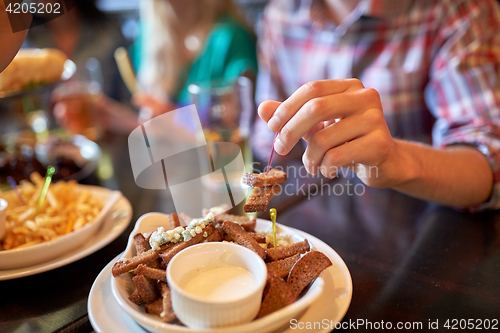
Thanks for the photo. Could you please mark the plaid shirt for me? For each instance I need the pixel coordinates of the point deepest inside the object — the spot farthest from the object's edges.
(435, 64)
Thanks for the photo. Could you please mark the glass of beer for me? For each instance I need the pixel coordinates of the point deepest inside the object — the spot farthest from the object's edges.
(75, 107)
(226, 110)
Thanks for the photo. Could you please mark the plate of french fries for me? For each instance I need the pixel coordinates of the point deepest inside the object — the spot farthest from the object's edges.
(293, 246)
(68, 216)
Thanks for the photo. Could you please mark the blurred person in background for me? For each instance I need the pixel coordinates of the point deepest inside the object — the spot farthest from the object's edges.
(89, 38)
(182, 42)
(187, 41)
(428, 119)
(10, 42)
(82, 33)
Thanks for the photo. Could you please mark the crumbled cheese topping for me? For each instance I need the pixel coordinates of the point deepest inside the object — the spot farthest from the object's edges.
(217, 210)
(282, 239)
(196, 226)
(160, 237)
(269, 230)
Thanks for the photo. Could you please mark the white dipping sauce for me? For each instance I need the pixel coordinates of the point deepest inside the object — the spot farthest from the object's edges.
(219, 282)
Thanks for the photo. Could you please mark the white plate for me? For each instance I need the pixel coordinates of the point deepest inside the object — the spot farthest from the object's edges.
(42, 252)
(115, 223)
(105, 314)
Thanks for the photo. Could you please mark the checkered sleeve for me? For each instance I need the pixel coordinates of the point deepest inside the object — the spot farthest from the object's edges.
(463, 91)
(269, 86)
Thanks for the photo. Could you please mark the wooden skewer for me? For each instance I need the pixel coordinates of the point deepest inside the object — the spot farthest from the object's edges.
(48, 179)
(272, 154)
(126, 70)
(274, 215)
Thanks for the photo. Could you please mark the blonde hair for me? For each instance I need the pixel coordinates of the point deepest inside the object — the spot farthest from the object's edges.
(165, 53)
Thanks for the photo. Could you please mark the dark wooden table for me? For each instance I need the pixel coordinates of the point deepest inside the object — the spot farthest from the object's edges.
(410, 261)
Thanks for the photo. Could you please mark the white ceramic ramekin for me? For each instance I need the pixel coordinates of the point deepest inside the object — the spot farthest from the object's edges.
(199, 313)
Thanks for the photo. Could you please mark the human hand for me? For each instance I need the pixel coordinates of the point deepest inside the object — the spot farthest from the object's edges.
(154, 104)
(359, 140)
(75, 113)
(101, 111)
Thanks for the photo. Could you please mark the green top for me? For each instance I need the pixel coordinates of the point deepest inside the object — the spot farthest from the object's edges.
(229, 51)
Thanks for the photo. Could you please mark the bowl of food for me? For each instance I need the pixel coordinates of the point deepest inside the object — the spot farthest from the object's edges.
(66, 219)
(73, 156)
(140, 284)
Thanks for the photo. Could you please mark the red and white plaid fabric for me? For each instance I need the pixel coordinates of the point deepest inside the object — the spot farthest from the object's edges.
(435, 63)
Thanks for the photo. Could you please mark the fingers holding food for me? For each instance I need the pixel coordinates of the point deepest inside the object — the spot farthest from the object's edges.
(343, 122)
(332, 136)
(309, 105)
(266, 109)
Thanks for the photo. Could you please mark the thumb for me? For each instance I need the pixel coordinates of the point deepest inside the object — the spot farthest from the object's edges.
(267, 109)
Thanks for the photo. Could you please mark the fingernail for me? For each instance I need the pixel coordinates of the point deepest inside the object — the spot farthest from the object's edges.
(279, 147)
(259, 110)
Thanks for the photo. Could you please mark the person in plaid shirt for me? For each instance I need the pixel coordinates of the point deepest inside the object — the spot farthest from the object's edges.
(424, 107)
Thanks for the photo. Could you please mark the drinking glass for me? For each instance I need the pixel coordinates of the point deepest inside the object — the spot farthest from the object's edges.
(226, 110)
(78, 99)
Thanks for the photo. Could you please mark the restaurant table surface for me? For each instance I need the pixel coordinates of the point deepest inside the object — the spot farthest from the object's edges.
(410, 261)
